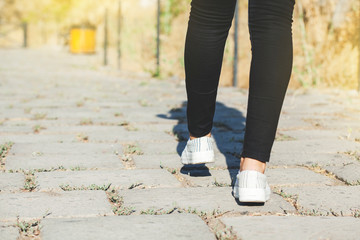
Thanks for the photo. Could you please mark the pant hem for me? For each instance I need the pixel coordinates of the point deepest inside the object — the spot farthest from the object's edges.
(198, 135)
(255, 155)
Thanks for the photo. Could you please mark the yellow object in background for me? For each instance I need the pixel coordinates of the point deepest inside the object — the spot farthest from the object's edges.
(82, 40)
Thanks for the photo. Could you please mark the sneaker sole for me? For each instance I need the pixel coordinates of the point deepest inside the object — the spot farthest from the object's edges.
(251, 195)
(200, 157)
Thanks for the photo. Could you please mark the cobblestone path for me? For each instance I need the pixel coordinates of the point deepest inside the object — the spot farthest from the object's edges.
(91, 153)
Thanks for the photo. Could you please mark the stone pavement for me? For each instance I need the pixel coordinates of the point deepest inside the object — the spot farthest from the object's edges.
(91, 153)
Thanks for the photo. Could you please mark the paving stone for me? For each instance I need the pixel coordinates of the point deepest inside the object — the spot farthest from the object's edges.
(343, 124)
(221, 145)
(225, 160)
(276, 177)
(314, 146)
(85, 203)
(72, 102)
(308, 159)
(168, 147)
(323, 200)
(6, 129)
(297, 176)
(13, 112)
(236, 123)
(53, 125)
(86, 128)
(313, 134)
(223, 137)
(294, 227)
(181, 128)
(8, 232)
(110, 133)
(227, 146)
(139, 115)
(221, 197)
(77, 113)
(173, 226)
(16, 162)
(11, 181)
(173, 160)
(348, 172)
(156, 127)
(111, 105)
(209, 178)
(310, 106)
(235, 93)
(129, 136)
(121, 179)
(146, 161)
(167, 113)
(67, 148)
(290, 121)
(225, 110)
(35, 156)
(39, 138)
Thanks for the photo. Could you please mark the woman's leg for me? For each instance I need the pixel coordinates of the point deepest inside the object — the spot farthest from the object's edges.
(208, 27)
(271, 39)
(270, 28)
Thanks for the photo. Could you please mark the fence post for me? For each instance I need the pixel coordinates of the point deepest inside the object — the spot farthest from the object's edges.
(105, 37)
(119, 36)
(235, 66)
(157, 73)
(25, 31)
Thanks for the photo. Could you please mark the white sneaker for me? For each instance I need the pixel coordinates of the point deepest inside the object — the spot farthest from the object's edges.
(251, 186)
(198, 150)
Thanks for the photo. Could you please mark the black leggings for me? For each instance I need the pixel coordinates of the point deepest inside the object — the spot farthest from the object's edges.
(270, 28)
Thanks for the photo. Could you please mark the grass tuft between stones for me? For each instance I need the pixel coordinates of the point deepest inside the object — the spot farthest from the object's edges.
(4, 150)
(30, 229)
(67, 187)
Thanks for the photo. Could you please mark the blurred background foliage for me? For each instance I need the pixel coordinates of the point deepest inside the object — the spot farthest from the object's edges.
(326, 36)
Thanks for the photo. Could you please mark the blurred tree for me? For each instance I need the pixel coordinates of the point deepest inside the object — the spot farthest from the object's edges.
(9, 11)
(170, 10)
(339, 16)
(46, 10)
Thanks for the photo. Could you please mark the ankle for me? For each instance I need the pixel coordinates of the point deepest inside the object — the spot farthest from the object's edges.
(192, 137)
(252, 164)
